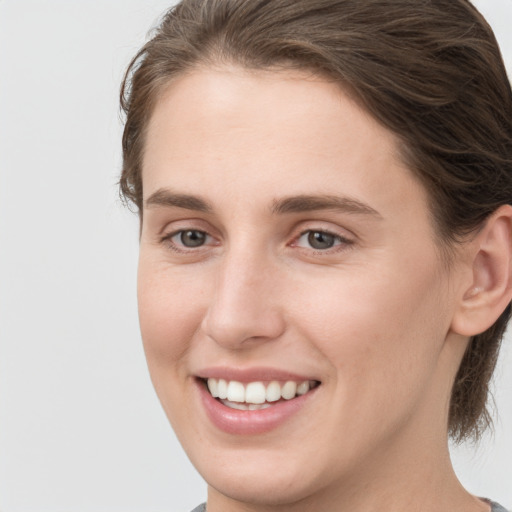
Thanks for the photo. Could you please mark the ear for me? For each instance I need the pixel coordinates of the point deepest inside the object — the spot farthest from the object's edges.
(489, 290)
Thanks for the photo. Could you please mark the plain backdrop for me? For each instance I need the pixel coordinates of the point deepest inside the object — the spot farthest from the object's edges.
(81, 429)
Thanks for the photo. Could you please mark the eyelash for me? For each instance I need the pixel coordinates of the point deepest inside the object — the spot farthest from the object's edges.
(167, 240)
(341, 243)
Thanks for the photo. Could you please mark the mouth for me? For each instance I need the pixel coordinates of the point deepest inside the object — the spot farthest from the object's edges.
(256, 395)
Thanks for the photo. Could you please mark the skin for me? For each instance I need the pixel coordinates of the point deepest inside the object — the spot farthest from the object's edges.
(372, 318)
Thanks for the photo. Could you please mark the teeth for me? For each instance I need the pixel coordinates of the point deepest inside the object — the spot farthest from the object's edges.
(245, 407)
(255, 395)
(257, 407)
(236, 391)
(222, 389)
(273, 391)
(236, 405)
(289, 390)
(302, 388)
(213, 386)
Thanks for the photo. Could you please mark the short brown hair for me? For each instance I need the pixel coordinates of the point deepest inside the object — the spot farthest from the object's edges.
(431, 72)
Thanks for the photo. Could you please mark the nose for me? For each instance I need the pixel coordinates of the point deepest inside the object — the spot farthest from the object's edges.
(244, 308)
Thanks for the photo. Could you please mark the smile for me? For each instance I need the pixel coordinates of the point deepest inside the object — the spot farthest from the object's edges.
(255, 401)
(256, 395)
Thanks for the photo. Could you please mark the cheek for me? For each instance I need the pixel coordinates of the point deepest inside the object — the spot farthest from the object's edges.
(170, 312)
(378, 332)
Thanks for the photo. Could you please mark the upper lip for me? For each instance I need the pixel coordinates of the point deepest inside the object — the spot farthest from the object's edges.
(252, 374)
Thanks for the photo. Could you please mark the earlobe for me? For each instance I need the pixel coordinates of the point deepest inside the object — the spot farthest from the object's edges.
(490, 290)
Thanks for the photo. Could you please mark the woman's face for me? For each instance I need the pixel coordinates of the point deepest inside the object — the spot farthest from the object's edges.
(288, 256)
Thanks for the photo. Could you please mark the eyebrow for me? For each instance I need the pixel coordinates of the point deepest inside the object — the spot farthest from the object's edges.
(307, 203)
(293, 204)
(164, 197)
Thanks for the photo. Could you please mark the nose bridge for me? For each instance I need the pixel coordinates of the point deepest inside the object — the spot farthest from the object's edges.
(244, 305)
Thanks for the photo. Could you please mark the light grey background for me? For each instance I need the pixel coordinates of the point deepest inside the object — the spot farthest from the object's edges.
(80, 427)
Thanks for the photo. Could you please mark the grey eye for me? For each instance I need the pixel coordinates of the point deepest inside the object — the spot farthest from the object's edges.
(192, 238)
(321, 240)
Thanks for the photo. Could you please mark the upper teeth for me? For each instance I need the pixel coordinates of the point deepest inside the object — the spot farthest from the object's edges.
(257, 392)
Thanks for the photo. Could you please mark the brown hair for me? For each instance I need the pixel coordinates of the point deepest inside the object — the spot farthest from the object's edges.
(429, 71)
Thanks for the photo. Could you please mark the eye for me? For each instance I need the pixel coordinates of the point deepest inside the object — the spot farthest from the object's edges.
(320, 240)
(191, 237)
(187, 239)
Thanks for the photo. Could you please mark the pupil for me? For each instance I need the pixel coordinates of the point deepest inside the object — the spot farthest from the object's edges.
(319, 240)
(192, 238)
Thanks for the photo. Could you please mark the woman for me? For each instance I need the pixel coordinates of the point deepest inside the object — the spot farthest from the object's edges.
(324, 190)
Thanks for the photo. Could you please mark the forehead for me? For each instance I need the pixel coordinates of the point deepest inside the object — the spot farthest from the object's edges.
(235, 133)
(234, 106)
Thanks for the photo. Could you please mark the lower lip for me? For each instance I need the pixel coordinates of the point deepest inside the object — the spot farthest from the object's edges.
(234, 421)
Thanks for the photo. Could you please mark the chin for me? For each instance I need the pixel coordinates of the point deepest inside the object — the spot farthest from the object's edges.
(258, 475)
(265, 484)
